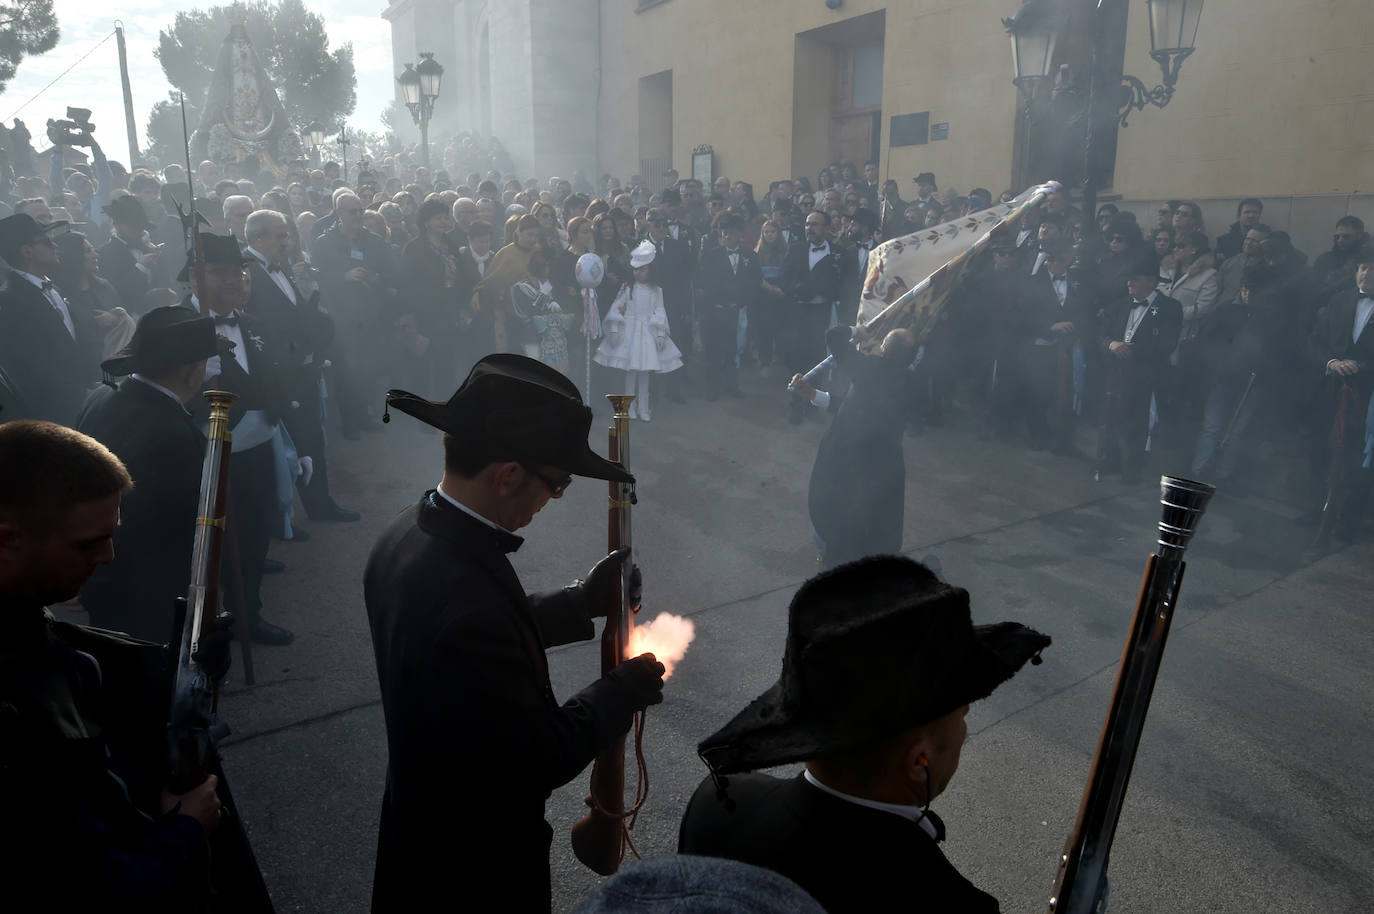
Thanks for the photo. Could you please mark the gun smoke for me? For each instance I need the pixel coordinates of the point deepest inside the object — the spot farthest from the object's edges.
(666, 637)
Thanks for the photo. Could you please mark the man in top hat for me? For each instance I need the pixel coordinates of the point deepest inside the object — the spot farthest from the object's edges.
(855, 828)
(146, 424)
(460, 646)
(1139, 331)
(127, 261)
(925, 187)
(44, 343)
(220, 286)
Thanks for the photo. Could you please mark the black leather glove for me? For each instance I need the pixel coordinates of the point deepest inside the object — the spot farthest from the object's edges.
(600, 583)
(213, 651)
(642, 679)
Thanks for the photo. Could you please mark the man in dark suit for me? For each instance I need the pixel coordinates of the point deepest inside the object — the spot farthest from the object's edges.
(855, 830)
(811, 277)
(460, 646)
(300, 331)
(858, 244)
(856, 496)
(44, 343)
(1067, 312)
(358, 283)
(146, 424)
(219, 289)
(1139, 331)
(125, 260)
(1342, 347)
(731, 283)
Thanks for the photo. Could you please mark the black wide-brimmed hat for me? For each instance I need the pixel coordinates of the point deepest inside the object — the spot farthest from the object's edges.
(512, 407)
(21, 228)
(874, 648)
(127, 209)
(165, 338)
(216, 249)
(1144, 263)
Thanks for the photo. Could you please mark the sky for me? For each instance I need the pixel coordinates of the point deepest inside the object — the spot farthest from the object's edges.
(94, 82)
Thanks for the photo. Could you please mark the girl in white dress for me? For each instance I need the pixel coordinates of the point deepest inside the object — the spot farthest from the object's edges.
(636, 331)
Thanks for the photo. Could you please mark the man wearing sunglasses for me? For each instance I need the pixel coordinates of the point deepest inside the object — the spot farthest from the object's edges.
(476, 739)
(48, 350)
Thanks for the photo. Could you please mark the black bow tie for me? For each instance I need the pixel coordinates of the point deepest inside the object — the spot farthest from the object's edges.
(273, 268)
(231, 321)
(818, 247)
(733, 252)
(47, 285)
(1136, 303)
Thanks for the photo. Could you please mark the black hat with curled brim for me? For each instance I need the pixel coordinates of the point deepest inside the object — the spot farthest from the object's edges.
(874, 648)
(165, 338)
(517, 408)
(215, 249)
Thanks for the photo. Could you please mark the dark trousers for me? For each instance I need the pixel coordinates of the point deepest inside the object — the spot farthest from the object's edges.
(306, 426)
(720, 336)
(803, 331)
(253, 501)
(1125, 428)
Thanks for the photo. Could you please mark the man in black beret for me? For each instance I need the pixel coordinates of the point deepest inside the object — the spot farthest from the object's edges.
(881, 664)
(460, 646)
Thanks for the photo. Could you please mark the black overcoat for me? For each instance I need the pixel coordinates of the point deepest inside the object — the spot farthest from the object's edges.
(850, 858)
(51, 370)
(162, 448)
(475, 737)
(858, 482)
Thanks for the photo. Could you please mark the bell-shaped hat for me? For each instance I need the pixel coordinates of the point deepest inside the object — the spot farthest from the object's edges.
(874, 648)
(643, 255)
(512, 407)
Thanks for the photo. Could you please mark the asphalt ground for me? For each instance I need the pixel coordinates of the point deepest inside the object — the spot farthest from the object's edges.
(1251, 789)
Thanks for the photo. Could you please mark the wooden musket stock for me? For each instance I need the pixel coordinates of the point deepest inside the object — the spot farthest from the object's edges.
(599, 838)
(1081, 883)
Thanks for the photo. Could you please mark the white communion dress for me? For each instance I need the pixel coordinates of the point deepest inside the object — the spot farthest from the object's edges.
(634, 327)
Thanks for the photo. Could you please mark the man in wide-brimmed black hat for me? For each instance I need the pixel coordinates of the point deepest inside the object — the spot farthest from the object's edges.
(129, 259)
(1140, 330)
(146, 424)
(460, 647)
(882, 662)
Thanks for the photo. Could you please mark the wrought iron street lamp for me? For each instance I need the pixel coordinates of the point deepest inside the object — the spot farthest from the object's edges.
(419, 89)
(1035, 30)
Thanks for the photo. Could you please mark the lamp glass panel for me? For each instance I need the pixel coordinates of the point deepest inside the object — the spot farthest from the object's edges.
(410, 86)
(1174, 24)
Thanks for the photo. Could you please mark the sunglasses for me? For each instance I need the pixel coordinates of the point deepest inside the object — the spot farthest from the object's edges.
(556, 486)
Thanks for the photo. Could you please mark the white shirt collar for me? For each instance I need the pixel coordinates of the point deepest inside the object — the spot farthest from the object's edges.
(439, 490)
(913, 812)
(36, 280)
(156, 386)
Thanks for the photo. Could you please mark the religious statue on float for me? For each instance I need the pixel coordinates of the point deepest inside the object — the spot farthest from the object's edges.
(243, 119)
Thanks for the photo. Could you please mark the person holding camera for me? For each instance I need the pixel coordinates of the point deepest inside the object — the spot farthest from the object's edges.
(128, 259)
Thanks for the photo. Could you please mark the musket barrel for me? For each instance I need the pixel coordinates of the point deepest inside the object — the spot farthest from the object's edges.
(598, 839)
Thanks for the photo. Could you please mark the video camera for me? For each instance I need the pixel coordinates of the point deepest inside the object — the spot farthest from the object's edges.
(76, 130)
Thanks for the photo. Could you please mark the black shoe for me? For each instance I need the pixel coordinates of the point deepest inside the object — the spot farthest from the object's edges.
(335, 514)
(272, 566)
(264, 632)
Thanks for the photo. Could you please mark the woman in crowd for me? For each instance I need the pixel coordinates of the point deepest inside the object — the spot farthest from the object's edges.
(825, 180)
(1188, 218)
(769, 307)
(77, 278)
(434, 310)
(550, 235)
(613, 253)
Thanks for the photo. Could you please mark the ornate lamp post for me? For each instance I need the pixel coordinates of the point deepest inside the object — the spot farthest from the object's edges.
(1034, 32)
(419, 89)
(314, 134)
(343, 151)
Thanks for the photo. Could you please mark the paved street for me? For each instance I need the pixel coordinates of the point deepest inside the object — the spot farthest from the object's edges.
(1252, 785)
